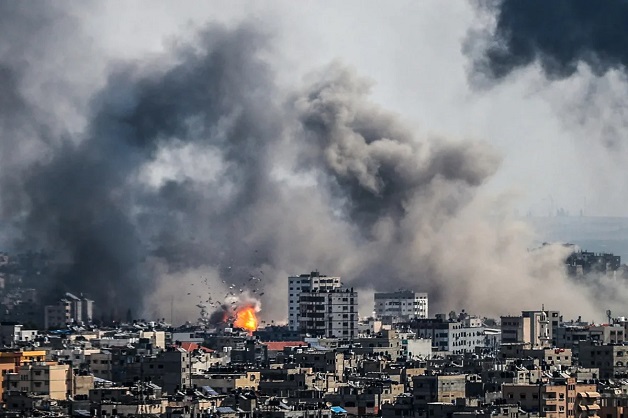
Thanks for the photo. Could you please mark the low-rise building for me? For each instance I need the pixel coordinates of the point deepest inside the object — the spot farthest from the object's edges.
(52, 380)
(437, 388)
(612, 360)
(554, 398)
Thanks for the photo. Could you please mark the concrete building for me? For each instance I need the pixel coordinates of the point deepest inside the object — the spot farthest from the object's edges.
(614, 404)
(227, 382)
(87, 310)
(612, 360)
(364, 398)
(400, 306)
(302, 284)
(555, 399)
(157, 338)
(322, 361)
(569, 335)
(550, 356)
(386, 343)
(58, 315)
(12, 333)
(70, 309)
(437, 388)
(53, 380)
(100, 364)
(11, 361)
(171, 369)
(454, 336)
(536, 328)
(329, 313)
(584, 262)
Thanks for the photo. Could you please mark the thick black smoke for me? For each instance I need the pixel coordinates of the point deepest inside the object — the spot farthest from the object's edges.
(83, 200)
(557, 34)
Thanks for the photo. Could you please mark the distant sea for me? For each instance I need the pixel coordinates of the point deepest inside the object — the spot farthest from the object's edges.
(590, 233)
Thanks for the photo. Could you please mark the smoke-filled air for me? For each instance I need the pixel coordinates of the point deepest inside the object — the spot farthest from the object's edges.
(192, 176)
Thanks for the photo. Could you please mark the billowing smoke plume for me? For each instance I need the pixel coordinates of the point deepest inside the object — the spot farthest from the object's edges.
(194, 166)
(559, 35)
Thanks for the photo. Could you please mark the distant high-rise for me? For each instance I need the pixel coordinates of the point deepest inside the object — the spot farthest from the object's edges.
(401, 306)
(584, 262)
(302, 284)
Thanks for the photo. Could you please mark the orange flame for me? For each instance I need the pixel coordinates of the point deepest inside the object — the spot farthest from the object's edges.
(246, 318)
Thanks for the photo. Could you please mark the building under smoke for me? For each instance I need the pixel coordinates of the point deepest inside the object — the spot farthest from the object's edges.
(69, 310)
(320, 306)
(304, 283)
(585, 262)
(400, 306)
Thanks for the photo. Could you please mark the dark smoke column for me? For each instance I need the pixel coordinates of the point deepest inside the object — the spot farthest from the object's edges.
(558, 34)
(85, 202)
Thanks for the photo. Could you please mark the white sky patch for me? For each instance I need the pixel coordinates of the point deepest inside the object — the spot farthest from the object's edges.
(184, 160)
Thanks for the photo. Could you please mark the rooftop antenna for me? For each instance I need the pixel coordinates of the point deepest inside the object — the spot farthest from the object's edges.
(608, 315)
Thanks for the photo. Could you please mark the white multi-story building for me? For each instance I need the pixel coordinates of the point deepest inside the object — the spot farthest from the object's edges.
(401, 306)
(464, 334)
(329, 313)
(302, 284)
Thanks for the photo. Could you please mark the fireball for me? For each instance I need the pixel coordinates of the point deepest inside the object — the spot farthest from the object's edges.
(245, 318)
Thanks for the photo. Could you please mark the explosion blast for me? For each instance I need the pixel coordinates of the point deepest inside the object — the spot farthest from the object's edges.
(246, 318)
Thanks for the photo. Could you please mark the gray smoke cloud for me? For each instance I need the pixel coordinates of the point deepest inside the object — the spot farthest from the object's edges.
(194, 169)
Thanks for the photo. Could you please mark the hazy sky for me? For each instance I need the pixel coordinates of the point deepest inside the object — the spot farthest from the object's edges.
(413, 52)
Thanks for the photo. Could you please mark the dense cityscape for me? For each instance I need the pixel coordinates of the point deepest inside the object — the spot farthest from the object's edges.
(280, 209)
(324, 361)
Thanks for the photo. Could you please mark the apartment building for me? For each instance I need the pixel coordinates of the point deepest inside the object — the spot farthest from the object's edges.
(454, 336)
(68, 310)
(11, 361)
(536, 328)
(555, 398)
(437, 388)
(400, 306)
(100, 364)
(53, 380)
(224, 382)
(305, 283)
(612, 360)
(329, 313)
